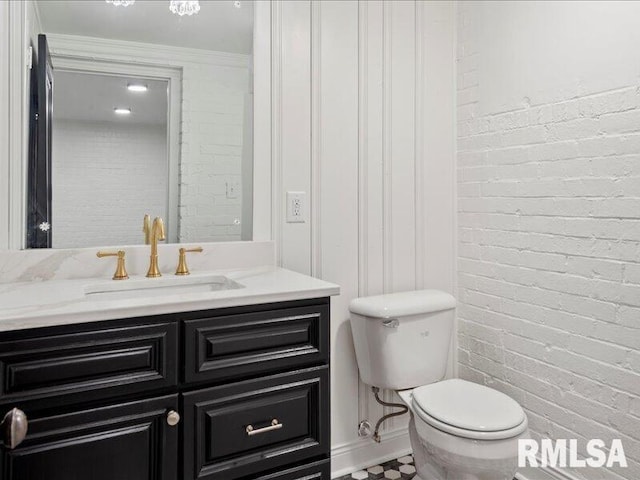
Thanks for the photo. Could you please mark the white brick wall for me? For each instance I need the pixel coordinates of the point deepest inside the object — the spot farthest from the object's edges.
(549, 220)
(213, 106)
(94, 201)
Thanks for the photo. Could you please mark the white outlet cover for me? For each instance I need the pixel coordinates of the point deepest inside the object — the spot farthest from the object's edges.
(296, 207)
(232, 188)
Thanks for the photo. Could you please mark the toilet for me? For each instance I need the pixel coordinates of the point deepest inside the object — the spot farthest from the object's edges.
(459, 430)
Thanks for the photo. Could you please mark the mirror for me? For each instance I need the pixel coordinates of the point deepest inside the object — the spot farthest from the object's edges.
(138, 110)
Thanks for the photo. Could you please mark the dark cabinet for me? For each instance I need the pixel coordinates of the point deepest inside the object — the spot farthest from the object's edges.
(129, 441)
(320, 470)
(257, 425)
(229, 346)
(88, 364)
(235, 393)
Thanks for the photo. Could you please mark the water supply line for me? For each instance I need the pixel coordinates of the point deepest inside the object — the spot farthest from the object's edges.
(405, 409)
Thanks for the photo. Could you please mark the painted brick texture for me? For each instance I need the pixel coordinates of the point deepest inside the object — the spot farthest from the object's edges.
(213, 123)
(94, 202)
(549, 251)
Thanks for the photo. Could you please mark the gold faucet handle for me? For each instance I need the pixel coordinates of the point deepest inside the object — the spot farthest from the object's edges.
(146, 229)
(121, 271)
(182, 261)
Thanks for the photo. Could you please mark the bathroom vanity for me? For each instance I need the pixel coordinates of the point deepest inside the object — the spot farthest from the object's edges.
(206, 385)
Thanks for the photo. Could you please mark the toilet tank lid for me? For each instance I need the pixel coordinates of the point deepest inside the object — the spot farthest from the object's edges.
(403, 304)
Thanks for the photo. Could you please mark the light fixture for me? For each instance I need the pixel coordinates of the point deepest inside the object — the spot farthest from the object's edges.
(237, 4)
(121, 3)
(122, 111)
(137, 87)
(184, 7)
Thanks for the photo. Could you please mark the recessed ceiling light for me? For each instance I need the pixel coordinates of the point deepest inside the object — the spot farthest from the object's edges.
(237, 4)
(121, 3)
(137, 87)
(122, 111)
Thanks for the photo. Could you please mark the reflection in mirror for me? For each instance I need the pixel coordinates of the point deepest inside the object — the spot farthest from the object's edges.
(110, 158)
(151, 114)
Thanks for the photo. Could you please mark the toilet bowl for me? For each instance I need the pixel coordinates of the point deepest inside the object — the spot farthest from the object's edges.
(459, 430)
(464, 431)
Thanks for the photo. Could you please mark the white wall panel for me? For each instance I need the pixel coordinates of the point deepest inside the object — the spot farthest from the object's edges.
(435, 142)
(371, 166)
(371, 147)
(293, 135)
(338, 155)
(399, 116)
(371, 108)
(438, 144)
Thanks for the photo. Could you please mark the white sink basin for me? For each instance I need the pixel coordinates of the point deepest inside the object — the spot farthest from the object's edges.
(163, 286)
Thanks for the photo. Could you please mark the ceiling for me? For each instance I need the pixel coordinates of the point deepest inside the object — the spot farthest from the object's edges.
(219, 25)
(92, 97)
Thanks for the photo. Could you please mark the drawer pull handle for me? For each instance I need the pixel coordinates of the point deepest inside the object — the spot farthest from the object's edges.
(173, 418)
(14, 426)
(275, 425)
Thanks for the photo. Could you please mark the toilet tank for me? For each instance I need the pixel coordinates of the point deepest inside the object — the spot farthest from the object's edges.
(402, 340)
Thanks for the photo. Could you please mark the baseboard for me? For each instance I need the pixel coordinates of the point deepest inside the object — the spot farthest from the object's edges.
(364, 452)
(544, 473)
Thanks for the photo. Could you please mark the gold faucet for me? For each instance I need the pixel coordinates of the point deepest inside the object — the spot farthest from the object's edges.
(146, 228)
(157, 233)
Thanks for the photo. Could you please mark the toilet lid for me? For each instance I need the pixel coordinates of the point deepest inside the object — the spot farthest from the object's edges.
(468, 406)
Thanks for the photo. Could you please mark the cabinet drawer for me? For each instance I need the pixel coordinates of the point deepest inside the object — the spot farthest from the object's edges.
(257, 425)
(130, 441)
(218, 348)
(113, 360)
(313, 471)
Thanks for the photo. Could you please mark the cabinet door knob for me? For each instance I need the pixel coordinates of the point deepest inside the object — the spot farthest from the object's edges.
(14, 427)
(173, 418)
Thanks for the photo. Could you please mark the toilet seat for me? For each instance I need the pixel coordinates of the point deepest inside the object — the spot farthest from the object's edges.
(469, 410)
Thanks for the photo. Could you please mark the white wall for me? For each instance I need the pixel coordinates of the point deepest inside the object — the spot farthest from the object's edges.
(364, 123)
(549, 215)
(106, 177)
(4, 126)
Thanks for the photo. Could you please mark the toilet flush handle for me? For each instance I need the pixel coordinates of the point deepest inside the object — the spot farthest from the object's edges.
(391, 323)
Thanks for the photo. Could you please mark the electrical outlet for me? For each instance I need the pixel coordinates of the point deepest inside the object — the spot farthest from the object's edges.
(232, 188)
(296, 207)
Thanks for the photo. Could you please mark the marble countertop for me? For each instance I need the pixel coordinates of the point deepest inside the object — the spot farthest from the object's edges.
(67, 301)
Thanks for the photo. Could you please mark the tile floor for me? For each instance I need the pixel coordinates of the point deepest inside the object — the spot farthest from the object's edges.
(401, 468)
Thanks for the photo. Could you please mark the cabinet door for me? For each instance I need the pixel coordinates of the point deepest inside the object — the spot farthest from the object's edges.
(130, 441)
(246, 428)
